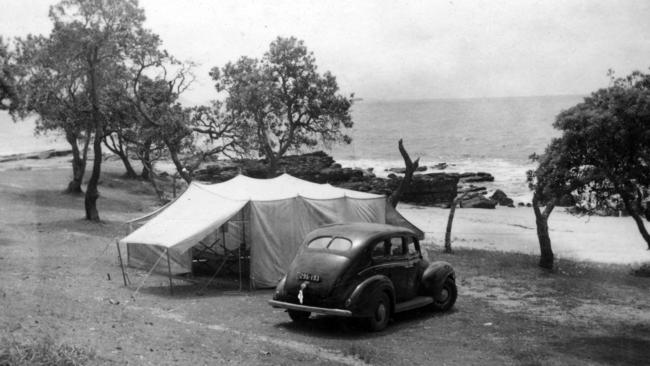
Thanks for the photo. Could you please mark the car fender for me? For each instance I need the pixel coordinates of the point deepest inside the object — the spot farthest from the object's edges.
(364, 293)
(279, 289)
(435, 275)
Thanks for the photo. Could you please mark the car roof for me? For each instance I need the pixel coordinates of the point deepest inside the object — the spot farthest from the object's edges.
(359, 232)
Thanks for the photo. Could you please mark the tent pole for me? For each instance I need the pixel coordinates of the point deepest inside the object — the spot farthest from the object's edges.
(169, 271)
(239, 257)
(119, 255)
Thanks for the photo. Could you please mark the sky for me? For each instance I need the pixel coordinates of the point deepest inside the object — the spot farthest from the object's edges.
(397, 49)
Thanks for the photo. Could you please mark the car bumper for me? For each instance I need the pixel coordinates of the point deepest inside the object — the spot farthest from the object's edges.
(311, 309)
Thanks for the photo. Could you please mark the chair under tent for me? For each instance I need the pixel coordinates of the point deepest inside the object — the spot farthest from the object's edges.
(246, 228)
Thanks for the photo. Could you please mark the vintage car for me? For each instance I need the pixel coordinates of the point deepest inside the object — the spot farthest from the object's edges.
(363, 270)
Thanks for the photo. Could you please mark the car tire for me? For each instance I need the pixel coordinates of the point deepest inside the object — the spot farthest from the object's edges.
(448, 296)
(380, 313)
(298, 316)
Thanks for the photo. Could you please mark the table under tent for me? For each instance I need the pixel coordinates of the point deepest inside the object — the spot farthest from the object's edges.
(247, 226)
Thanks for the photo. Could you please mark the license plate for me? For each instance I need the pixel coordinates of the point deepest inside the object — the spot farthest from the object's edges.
(308, 277)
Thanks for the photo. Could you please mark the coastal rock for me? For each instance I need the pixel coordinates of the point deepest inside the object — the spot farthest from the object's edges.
(470, 189)
(432, 189)
(502, 199)
(403, 170)
(478, 201)
(476, 177)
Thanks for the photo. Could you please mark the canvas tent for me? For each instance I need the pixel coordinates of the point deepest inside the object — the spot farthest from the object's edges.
(268, 218)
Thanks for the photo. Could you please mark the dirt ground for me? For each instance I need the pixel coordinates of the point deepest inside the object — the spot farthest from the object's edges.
(60, 281)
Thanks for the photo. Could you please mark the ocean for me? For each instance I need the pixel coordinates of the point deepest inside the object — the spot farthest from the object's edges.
(495, 135)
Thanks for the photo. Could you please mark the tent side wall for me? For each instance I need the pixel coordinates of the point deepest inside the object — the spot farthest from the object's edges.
(393, 217)
(278, 228)
(144, 257)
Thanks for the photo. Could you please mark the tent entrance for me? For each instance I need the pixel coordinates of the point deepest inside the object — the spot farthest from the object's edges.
(224, 255)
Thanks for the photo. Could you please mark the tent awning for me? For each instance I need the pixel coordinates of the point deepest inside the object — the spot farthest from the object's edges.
(194, 215)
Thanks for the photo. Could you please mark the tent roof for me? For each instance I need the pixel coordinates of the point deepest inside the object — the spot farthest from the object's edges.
(203, 208)
(282, 187)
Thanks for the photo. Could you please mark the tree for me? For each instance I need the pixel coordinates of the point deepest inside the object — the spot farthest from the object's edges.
(284, 100)
(94, 35)
(558, 174)
(608, 135)
(7, 83)
(450, 220)
(603, 152)
(49, 87)
(410, 168)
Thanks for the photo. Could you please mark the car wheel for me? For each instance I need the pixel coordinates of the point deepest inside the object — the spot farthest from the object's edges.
(447, 297)
(298, 316)
(380, 313)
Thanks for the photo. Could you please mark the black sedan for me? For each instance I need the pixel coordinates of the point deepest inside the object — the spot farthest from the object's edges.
(363, 270)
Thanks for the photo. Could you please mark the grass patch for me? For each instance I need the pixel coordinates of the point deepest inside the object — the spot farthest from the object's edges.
(42, 352)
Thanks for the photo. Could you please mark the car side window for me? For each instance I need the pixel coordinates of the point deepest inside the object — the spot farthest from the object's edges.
(378, 250)
(396, 247)
(411, 250)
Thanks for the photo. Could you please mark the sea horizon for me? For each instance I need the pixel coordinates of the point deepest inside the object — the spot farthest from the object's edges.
(491, 134)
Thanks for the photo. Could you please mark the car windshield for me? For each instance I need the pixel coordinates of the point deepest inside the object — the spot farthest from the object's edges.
(336, 244)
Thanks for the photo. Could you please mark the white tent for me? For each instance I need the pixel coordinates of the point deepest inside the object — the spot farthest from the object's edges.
(266, 217)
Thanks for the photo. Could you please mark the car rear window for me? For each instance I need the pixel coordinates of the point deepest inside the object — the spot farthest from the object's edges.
(327, 242)
(319, 243)
(340, 244)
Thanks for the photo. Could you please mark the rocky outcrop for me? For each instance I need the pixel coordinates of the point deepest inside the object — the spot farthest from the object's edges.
(476, 177)
(478, 201)
(502, 199)
(403, 170)
(430, 189)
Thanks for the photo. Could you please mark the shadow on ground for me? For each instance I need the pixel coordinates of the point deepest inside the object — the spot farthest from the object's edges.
(611, 350)
(354, 328)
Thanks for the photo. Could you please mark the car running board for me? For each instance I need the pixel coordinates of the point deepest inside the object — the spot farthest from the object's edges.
(417, 302)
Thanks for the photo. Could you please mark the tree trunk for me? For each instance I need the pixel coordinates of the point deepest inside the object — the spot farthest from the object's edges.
(546, 258)
(92, 193)
(177, 163)
(130, 172)
(145, 157)
(118, 148)
(450, 220)
(273, 166)
(152, 179)
(78, 165)
(634, 212)
(411, 166)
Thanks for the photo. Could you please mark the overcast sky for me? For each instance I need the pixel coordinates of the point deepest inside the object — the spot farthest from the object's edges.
(403, 49)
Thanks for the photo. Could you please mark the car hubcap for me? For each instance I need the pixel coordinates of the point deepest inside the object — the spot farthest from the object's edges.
(380, 314)
(444, 295)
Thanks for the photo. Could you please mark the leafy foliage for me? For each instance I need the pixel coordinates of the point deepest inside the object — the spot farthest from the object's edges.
(7, 77)
(284, 99)
(603, 153)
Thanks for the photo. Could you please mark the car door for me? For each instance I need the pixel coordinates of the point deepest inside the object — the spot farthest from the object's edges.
(404, 270)
(380, 258)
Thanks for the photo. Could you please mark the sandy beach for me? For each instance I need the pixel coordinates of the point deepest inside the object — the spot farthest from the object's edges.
(580, 238)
